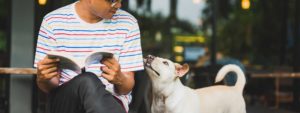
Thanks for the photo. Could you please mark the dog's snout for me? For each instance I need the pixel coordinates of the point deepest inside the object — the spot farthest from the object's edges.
(149, 59)
(151, 56)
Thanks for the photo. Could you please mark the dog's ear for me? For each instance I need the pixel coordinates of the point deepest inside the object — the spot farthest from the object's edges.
(181, 69)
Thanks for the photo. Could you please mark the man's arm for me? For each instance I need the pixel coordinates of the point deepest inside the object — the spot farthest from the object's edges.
(47, 85)
(47, 74)
(127, 83)
(123, 81)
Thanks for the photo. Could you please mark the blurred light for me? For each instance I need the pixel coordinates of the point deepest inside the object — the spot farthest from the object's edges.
(190, 39)
(197, 1)
(246, 62)
(245, 4)
(178, 49)
(158, 36)
(178, 58)
(42, 2)
(200, 22)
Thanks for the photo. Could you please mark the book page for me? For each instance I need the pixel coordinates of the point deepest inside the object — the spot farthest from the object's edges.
(66, 61)
(96, 57)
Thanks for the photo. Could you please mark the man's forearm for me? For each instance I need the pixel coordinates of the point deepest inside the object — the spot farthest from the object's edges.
(127, 83)
(47, 85)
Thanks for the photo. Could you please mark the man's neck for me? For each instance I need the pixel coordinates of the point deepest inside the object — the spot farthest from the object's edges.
(85, 13)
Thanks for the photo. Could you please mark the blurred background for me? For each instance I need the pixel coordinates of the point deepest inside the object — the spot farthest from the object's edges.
(261, 36)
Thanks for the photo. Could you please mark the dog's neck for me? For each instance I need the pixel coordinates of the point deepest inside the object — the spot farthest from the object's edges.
(168, 89)
(174, 96)
(158, 104)
(168, 97)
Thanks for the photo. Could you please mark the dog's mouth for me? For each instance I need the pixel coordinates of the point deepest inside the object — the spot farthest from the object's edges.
(148, 60)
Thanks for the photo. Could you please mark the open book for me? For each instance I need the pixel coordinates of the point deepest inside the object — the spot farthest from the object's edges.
(67, 61)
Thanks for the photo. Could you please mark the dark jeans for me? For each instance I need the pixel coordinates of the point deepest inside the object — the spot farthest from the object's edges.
(85, 93)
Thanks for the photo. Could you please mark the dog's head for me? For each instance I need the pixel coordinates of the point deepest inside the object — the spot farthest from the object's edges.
(163, 70)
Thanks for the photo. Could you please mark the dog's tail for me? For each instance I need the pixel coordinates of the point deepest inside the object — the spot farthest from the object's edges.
(241, 80)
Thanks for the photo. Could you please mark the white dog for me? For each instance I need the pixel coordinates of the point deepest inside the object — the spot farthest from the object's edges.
(171, 96)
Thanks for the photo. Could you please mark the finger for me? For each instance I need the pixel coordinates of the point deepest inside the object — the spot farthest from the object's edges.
(48, 60)
(107, 62)
(112, 64)
(107, 77)
(111, 60)
(44, 75)
(43, 67)
(51, 75)
(46, 66)
(112, 79)
(47, 69)
(108, 71)
(52, 69)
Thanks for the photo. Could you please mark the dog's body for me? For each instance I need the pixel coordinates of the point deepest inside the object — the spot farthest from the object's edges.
(171, 96)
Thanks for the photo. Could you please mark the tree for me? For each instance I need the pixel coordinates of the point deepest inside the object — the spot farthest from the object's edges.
(258, 34)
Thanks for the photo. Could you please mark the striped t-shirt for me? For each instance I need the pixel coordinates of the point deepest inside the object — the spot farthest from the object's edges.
(62, 30)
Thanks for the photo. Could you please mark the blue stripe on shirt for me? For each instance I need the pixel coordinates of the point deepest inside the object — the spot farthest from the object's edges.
(136, 38)
(89, 46)
(44, 44)
(90, 30)
(130, 55)
(66, 22)
(77, 39)
(46, 37)
(58, 14)
(117, 22)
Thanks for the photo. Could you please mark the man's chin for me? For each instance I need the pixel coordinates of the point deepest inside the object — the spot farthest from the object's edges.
(107, 16)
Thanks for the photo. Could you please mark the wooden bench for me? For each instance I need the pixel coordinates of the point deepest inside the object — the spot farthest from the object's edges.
(30, 71)
(279, 96)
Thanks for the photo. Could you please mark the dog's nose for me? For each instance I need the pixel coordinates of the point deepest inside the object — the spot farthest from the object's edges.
(151, 56)
(149, 59)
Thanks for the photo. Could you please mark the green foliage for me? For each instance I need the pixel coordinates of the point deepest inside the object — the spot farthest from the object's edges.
(256, 34)
(151, 25)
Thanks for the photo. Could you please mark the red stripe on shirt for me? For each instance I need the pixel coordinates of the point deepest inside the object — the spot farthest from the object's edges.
(90, 34)
(43, 31)
(74, 50)
(133, 35)
(52, 38)
(43, 48)
(67, 18)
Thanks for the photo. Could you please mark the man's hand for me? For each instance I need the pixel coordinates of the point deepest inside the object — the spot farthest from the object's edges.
(124, 82)
(112, 71)
(47, 74)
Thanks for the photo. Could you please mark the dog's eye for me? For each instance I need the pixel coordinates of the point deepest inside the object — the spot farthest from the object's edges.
(165, 62)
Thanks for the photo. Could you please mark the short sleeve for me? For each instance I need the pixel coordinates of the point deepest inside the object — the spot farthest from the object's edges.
(131, 58)
(45, 42)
